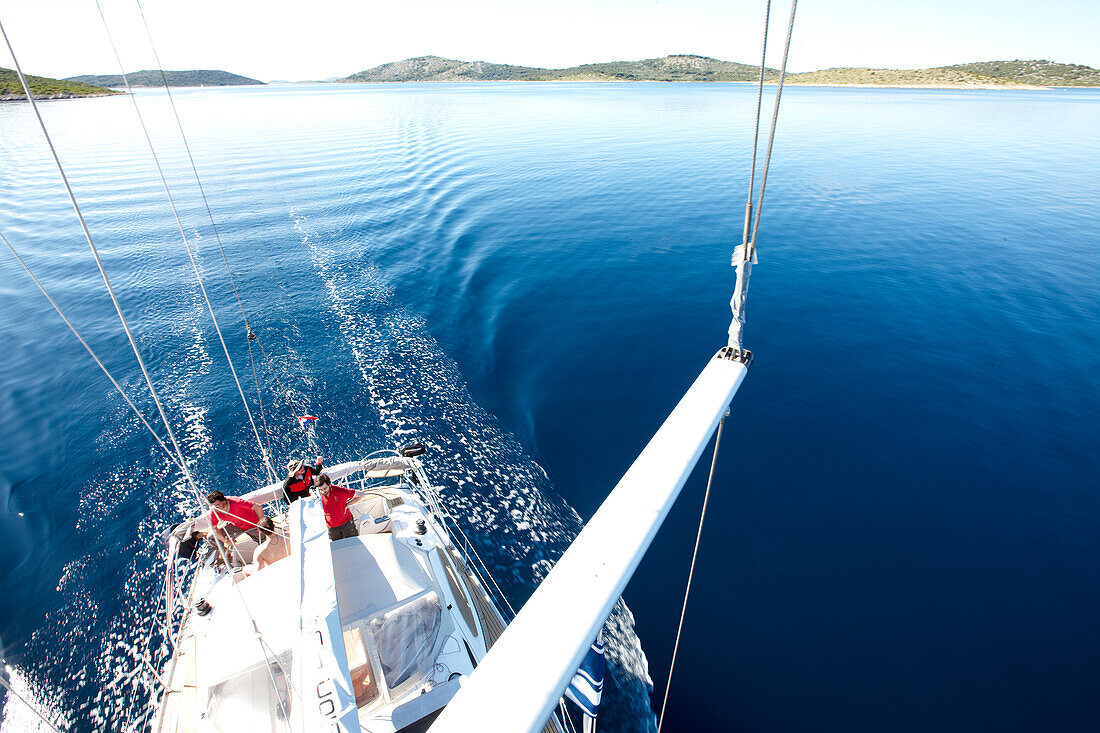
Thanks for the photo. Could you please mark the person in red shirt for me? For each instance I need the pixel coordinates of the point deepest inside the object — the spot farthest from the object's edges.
(240, 515)
(300, 478)
(334, 500)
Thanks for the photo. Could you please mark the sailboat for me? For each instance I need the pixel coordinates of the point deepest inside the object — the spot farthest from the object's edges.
(374, 632)
(397, 629)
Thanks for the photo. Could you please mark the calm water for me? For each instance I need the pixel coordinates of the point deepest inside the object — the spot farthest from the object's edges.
(906, 516)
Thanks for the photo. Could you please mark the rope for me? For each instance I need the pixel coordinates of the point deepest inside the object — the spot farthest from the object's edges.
(91, 353)
(117, 386)
(756, 128)
(775, 120)
(691, 572)
(133, 344)
(186, 243)
(484, 567)
(268, 652)
(746, 256)
(251, 334)
(565, 716)
(6, 686)
(431, 490)
(182, 463)
(255, 375)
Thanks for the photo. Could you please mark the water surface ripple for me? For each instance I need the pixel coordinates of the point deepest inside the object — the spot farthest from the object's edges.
(526, 277)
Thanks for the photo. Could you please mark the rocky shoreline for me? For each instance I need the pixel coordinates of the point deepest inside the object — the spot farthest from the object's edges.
(51, 97)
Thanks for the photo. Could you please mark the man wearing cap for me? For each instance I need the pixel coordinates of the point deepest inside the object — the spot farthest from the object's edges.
(300, 478)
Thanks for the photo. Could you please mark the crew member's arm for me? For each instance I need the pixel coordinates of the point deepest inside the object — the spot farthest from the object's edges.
(213, 518)
(362, 494)
(313, 472)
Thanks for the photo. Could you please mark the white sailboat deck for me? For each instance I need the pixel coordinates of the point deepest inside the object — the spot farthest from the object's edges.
(415, 620)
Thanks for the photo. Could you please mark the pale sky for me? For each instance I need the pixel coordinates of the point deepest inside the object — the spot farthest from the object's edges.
(279, 39)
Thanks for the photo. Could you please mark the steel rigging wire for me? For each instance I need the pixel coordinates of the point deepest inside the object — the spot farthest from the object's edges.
(251, 333)
(187, 245)
(91, 353)
(7, 686)
(743, 258)
(265, 648)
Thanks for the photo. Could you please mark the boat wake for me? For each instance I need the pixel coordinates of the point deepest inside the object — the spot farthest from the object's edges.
(90, 651)
(501, 498)
(18, 717)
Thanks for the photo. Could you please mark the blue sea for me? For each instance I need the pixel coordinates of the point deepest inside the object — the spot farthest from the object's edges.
(904, 527)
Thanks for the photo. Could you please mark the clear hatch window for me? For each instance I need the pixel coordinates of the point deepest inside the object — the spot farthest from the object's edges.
(406, 637)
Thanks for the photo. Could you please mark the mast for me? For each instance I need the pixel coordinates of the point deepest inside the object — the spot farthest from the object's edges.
(553, 630)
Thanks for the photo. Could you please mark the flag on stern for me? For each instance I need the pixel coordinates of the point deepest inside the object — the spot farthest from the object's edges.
(586, 688)
(307, 421)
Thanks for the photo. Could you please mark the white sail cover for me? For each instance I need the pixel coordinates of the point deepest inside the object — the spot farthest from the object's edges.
(740, 293)
(320, 668)
(381, 467)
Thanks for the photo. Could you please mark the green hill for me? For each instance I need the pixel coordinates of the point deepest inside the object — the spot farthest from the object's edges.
(152, 78)
(939, 77)
(988, 74)
(1041, 72)
(669, 68)
(43, 87)
(434, 68)
(674, 68)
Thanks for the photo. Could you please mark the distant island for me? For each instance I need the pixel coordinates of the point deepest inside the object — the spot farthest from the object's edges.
(152, 78)
(43, 87)
(676, 68)
(1040, 73)
(683, 67)
(669, 68)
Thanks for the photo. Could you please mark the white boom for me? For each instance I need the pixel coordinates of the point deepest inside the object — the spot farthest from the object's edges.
(518, 684)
